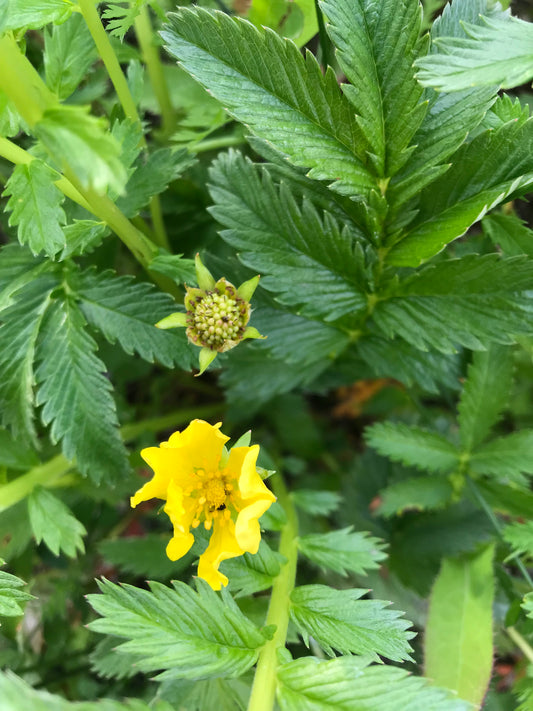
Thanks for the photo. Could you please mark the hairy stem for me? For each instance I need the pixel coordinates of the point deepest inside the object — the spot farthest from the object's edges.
(52, 472)
(264, 687)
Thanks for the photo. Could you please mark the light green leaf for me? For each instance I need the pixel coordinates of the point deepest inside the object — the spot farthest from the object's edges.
(350, 684)
(17, 267)
(508, 456)
(343, 551)
(76, 396)
(69, 51)
(54, 523)
(126, 311)
(194, 635)
(520, 537)
(497, 52)
(494, 165)
(30, 15)
(82, 236)
(383, 90)
(16, 694)
(413, 446)
(317, 503)
(151, 176)
(338, 619)
(484, 395)
(120, 18)
(35, 202)
(415, 494)
(309, 260)
(174, 266)
(21, 324)
(468, 301)
(296, 20)
(78, 141)
(528, 604)
(249, 573)
(264, 82)
(509, 233)
(458, 640)
(10, 595)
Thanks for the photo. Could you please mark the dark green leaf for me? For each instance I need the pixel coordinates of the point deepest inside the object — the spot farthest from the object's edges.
(506, 457)
(53, 523)
(484, 395)
(82, 236)
(350, 684)
(110, 664)
(520, 537)
(35, 202)
(343, 551)
(509, 233)
(413, 446)
(76, 396)
(318, 503)
(265, 83)
(174, 266)
(249, 573)
(69, 51)
(194, 635)
(13, 455)
(127, 311)
(415, 494)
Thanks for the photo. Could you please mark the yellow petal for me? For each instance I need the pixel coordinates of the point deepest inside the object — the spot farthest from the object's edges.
(200, 445)
(180, 510)
(247, 529)
(222, 545)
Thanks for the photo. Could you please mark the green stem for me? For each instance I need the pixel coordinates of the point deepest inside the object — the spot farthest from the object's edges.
(214, 144)
(263, 693)
(109, 58)
(497, 526)
(53, 472)
(520, 643)
(150, 53)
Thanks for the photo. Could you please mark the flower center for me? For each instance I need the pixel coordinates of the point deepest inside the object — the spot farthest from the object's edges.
(215, 493)
(217, 320)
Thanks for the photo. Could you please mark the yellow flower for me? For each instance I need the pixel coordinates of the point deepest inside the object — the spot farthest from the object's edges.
(204, 483)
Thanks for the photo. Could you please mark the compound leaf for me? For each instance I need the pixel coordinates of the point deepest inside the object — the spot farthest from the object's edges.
(194, 635)
(76, 395)
(265, 83)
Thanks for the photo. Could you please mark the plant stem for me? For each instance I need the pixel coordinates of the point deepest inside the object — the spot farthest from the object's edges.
(520, 643)
(109, 58)
(497, 526)
(150, 53)
(263, 693)
(213, 144)
(52, 472)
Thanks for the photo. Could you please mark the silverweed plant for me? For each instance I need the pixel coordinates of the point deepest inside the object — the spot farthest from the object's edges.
(360, 168)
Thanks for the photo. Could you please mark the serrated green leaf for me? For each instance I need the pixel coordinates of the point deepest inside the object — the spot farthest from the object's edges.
(484, 395)
(194, 635)
(468, 301)
(82, 236)
(338, 619)
(264, 82)
(458, 639)
(318, 503)
(78, 141)
(509, 233)
(13, 455)
(35, 204)
(219, 694)
(69, 51)
(127, 311)
(17, 694)
(308, 259)
(151, 176)
(249, 573)
(174, 266)
(142, 556)
(383, 89)
(507, 498)
(484, 172)
(415, 494)
(76, 396)
(343, 551)
(528, 604)
(520, 537)
(413, 446)
(17, 267)
(350, 684)
(120, 18)
(507, 457)
(110, 664)
(11, 122)
(21, 324)
(10, 595)
(32, 16)
(497, 52)
(54, 523)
